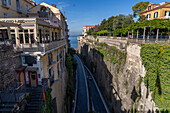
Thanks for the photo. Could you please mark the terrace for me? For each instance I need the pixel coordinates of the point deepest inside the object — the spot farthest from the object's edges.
(40, 47)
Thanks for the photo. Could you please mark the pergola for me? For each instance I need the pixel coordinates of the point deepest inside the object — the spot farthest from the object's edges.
(144, 33)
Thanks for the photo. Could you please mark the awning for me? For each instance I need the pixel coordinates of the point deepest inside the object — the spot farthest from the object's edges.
(20, 69)
(31, 69)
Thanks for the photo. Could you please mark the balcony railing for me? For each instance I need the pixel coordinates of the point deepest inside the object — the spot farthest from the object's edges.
(39, 47)
(43, 14)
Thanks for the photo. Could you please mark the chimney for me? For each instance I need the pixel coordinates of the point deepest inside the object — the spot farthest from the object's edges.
(54, 5)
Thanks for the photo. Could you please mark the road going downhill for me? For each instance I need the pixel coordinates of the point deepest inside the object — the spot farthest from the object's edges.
(82, 101)
(99, 105)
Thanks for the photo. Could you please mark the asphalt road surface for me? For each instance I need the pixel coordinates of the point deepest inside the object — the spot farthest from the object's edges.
(82, 105)
(97, 102)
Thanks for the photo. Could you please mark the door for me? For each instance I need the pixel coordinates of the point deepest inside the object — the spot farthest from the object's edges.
(33, 77)
(22, 78)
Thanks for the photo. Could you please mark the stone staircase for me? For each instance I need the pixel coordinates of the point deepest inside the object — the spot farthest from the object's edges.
(8, 108)
(34, 106)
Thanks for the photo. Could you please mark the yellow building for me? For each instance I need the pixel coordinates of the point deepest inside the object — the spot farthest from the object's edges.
(42, 40)
(157, 11)
(15, 8)
(87, 28)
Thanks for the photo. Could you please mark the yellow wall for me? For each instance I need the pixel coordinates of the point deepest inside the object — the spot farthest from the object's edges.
(161, 12)
(46, 66)
(12, 12)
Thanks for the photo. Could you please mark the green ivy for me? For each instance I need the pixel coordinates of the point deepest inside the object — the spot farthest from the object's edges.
(47, 105)
(71, 66)
(112, 54)
(156, 59)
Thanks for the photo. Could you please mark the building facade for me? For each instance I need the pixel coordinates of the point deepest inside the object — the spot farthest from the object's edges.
(87, 28)
(157, 11)
(15, 8)
(42, 40)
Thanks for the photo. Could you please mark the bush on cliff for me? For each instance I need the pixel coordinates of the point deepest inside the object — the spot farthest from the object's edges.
(156, 59)
(71, 66)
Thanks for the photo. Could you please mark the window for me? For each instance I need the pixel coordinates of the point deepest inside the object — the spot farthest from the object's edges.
(156, 15)
(3, 35)
(55, 35)
(5, 15)
(52, 36)
(57, 57)
(17, 3)
(21, 38)
(4, 2)
(50, 59)
(60, 54)
(29, 60)
(51, 76)
(167, 14)
(26, 30)
(26, 6)
(9, 1)
(149, 8)
(32, 38)
(148, 16)
(13, 38)
(31, 30)
(26, 38)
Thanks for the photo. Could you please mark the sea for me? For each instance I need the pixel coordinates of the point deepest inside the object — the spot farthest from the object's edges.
(74, 41)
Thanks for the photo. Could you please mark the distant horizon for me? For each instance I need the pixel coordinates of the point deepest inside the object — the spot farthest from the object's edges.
(91, 12)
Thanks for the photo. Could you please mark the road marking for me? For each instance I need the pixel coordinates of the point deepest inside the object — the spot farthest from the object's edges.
(107, 110)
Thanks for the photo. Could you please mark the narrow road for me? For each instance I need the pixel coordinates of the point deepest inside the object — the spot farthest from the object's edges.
(82, 102)
(98, 102)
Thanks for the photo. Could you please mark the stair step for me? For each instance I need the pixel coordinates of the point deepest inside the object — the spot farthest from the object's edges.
(31, 112)
(34, 105)
(35, 102)
(9, 105)
(7, 110)
(36, 99)
(33, 108)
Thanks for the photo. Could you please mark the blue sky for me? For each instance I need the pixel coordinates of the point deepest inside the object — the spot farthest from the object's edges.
(92, 12)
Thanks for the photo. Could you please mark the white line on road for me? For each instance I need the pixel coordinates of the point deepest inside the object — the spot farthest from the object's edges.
(107, 110)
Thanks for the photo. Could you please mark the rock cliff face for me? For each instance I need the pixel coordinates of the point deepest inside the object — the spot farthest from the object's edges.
(9, 62)
(121, 83)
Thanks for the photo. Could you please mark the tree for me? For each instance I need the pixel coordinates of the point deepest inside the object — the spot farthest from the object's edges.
(139, 7)
(142, 18)
(102, 25)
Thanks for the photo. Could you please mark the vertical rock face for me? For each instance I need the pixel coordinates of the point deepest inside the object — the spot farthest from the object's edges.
(9, 62)
(122, 86)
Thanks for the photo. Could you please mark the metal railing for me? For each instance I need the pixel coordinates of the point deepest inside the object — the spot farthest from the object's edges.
(15, 92)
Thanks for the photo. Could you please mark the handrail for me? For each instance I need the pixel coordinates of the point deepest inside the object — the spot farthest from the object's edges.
(12, 94)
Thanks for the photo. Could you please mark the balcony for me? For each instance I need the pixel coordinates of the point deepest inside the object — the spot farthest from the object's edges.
(43, 48)
(43, 14)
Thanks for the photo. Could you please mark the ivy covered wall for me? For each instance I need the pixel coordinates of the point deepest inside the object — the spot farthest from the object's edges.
(156, 59)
